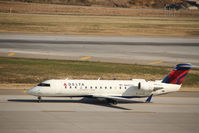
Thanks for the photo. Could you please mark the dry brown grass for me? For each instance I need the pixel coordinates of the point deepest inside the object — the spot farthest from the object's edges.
(109, 21)
(99, 25)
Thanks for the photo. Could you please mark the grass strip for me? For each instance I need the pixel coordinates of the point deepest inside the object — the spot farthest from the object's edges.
(32, 71)
(99, 25)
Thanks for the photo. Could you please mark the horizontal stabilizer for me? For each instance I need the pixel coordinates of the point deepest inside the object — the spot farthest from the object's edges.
(148, 100)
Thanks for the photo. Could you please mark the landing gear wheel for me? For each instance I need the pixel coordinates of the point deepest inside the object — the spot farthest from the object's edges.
(114, 102)
(111, 101)
(39, 99)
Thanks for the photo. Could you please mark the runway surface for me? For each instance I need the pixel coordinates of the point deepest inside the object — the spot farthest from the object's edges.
(171, 113)
(140, 50)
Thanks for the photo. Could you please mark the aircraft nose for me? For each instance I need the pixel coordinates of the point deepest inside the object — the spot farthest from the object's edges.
(33, 91)
(30, 91)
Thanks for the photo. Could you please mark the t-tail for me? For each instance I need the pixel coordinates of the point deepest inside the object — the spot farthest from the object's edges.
(178, 74)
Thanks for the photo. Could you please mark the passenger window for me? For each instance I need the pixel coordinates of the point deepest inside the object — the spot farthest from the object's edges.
(110, 87)
(95, 87)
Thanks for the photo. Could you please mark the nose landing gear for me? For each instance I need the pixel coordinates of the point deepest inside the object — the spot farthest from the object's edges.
(39, 99)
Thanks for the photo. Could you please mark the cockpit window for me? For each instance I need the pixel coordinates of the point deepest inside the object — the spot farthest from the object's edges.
(44, 85)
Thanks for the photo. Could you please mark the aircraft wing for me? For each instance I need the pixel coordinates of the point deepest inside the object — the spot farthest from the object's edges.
(116, 98)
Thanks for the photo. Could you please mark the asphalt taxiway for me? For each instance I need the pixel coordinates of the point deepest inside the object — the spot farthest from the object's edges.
(177, 113)
(141, 50)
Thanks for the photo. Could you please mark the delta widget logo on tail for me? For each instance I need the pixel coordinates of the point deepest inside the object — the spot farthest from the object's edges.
(178, 74)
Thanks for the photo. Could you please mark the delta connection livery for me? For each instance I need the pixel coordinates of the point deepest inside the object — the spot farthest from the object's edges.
(112, 90)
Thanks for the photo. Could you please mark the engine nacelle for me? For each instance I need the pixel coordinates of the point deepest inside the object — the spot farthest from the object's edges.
(145, 86)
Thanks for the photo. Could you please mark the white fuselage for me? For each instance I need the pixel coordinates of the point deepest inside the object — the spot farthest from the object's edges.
(120, 88)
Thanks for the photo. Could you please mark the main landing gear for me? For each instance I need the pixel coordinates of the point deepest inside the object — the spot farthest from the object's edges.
(39, 99)
(111, 101)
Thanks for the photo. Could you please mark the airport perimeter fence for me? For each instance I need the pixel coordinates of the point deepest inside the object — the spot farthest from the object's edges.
(34, 8)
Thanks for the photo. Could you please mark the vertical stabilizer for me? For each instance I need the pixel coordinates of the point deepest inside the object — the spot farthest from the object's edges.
(178, 74)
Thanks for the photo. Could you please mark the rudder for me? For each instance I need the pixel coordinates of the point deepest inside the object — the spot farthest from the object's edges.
(178, 74)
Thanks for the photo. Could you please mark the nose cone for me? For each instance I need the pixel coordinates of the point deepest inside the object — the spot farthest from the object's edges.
(33, 91)
(30, 91)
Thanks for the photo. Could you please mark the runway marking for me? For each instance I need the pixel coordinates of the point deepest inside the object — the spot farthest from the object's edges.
(24, 91)
(156, 62)
(85, 58)
(11, 53)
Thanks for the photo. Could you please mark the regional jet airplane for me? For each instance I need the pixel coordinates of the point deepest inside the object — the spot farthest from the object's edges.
(112, 90)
